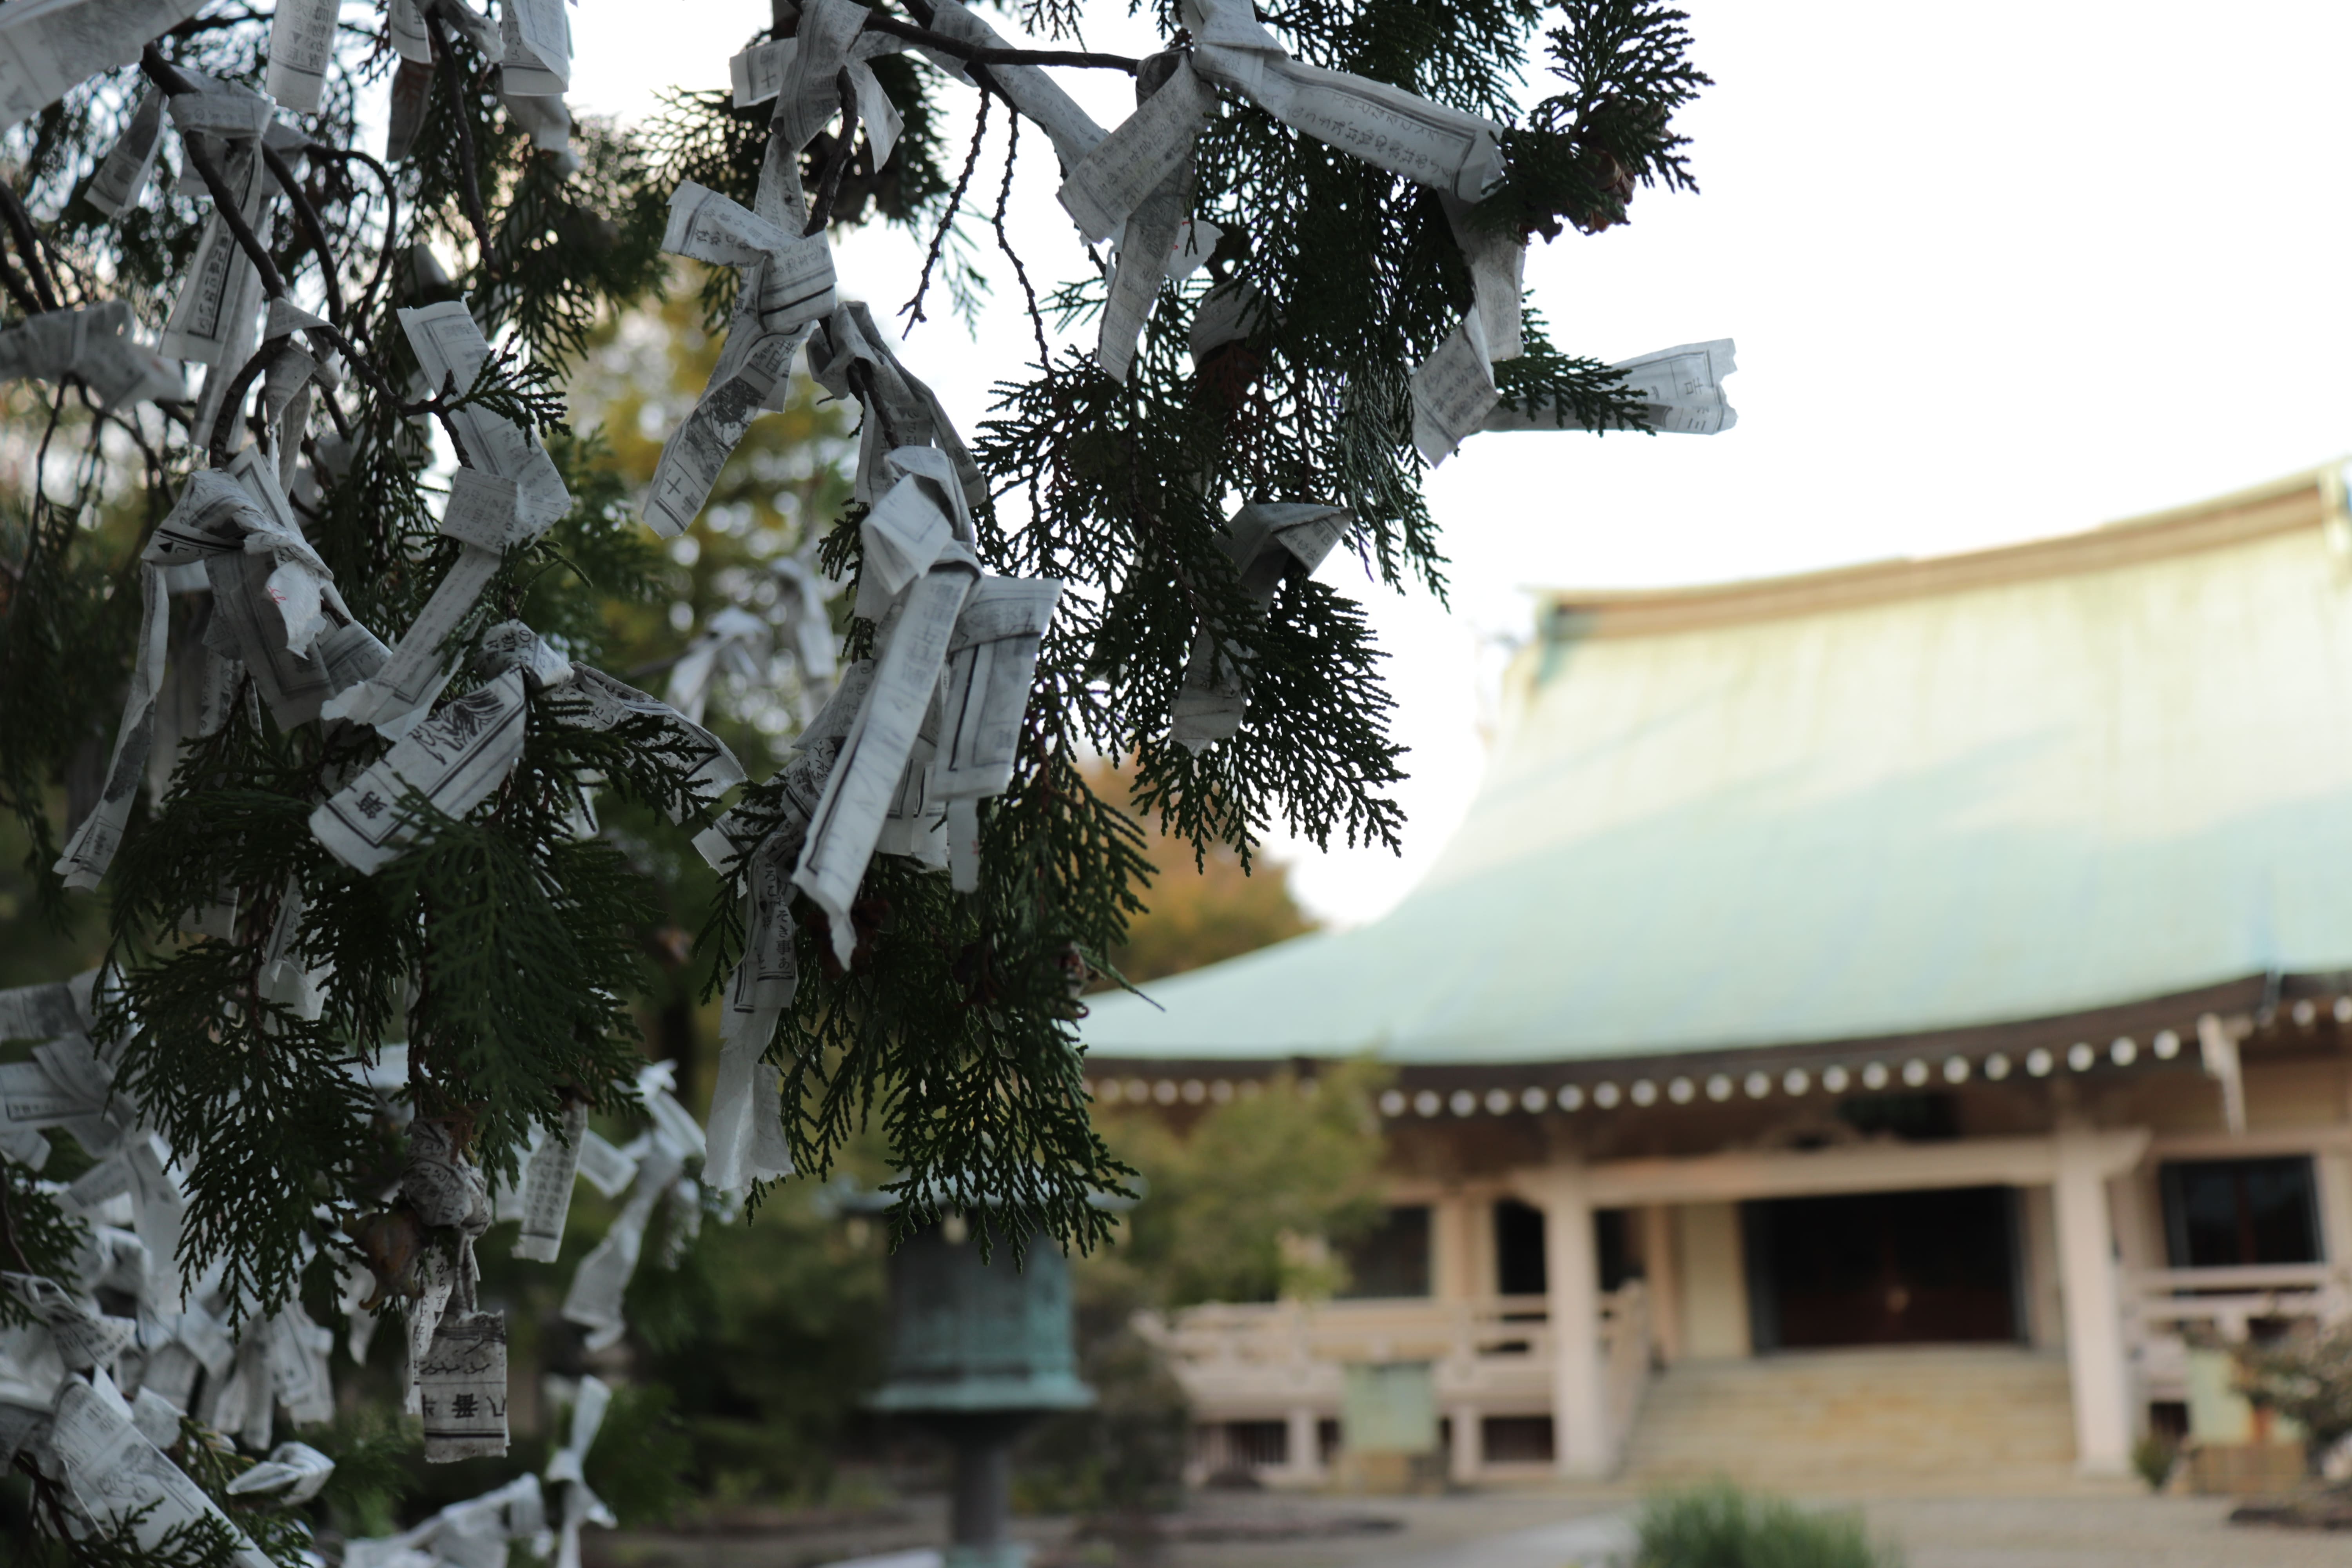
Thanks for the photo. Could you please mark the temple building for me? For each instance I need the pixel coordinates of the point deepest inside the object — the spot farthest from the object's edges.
(1889, 1018)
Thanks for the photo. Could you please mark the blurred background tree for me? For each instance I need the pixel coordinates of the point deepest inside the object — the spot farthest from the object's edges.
(760, 1338)
(750, 553)
(45, 930)
(1250, 1200)
(1203, 909)
(756, 1343)
(764, 1338)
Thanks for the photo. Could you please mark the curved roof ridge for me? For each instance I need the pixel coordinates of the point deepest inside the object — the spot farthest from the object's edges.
(2055, 779)
(2308, 499)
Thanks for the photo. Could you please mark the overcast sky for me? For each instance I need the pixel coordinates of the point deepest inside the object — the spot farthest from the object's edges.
(1994, 272)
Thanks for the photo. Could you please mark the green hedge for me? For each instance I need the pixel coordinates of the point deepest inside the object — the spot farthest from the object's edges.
(1720, 1526)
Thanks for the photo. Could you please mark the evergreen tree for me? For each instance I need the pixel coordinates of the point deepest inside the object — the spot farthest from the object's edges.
(370, 955)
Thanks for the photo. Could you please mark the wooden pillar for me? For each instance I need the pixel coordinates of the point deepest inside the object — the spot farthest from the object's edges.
(1302, 1443)
(1579, 1421)
(1452, 1276)
(2332, 1173)
(1665, 1278)
(1465, 1456)
(2094, 1310)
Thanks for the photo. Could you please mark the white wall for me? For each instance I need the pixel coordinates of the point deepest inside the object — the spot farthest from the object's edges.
(1714, 1270)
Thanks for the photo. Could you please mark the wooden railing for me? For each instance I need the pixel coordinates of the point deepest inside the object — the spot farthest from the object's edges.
(2168, 1310)
(1624, 1362)
(1494, 1355)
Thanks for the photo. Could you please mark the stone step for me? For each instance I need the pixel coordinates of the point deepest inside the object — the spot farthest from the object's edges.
(1997, 1416)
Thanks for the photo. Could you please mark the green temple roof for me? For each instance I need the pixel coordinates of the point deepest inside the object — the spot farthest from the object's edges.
(1910, 797)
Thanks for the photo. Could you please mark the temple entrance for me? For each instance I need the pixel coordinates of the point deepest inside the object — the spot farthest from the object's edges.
(1879, 1269)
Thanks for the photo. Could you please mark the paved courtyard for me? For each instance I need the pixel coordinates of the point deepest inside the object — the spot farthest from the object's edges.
(1558, 1531)
(1566, 1530)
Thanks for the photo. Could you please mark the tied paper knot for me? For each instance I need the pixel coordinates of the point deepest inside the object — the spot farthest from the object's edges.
(567, 1468)
(440, 1183)
(1265, 540)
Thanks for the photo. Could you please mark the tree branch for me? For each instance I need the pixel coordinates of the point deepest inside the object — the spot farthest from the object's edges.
(989, 55)
(829, 189)
(913, 307)
(390, 215)
(1004, 200)
(308, 216)
(224, 422)
(14, 282)
(7, 1215)
(28, 241)
(445, 63)
(166, 75)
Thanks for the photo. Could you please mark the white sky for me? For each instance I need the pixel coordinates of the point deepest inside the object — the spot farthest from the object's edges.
(1994, 272)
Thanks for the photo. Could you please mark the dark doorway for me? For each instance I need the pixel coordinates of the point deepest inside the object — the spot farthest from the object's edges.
(1519, 1256)
(1519, 1249)
(1880, 1268)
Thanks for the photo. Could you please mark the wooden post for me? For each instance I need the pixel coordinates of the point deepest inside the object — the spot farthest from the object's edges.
(1658, 1267)
(1579, 1423)
(1464, 1454)
(2094, 1310)
(1303, 1443)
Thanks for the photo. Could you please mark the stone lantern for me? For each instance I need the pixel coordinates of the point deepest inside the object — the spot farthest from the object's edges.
(977, 1351)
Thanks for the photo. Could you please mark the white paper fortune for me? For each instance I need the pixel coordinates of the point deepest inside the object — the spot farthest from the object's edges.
(462, 1388)
(119, 1476)
(511, 645)
(807, 97)
(847, 823)
(301, 41)
(91, 848)
(902, 412)
(455, 759)
(93, 343)
(396, 695)
(704, 225)
(713, 768)
(470, 1534)
(121, 178)
(1035, 94)
(567, 1468)
(1384, 125)
(1129, 163)
(1265, 539)
(84, 1336)
(1498, 265)
(38, 1011)
(246, 625)
(593, 1301)
(537, 40)
(295, 1471)
(787, 283)
(222, 293)
(484, 510)
(991, 662)
(1681, 392)
(47, 47)
(547, 1186)
(451, 349)
(745, 1135)
(1453, 393)
(742, 388)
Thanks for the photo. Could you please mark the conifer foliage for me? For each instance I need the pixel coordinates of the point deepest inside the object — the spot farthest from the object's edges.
(303, 575)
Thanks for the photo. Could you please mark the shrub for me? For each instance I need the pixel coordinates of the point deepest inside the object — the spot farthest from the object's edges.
(2307, 1378)
(1719, 1526)
(2153, 1457)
